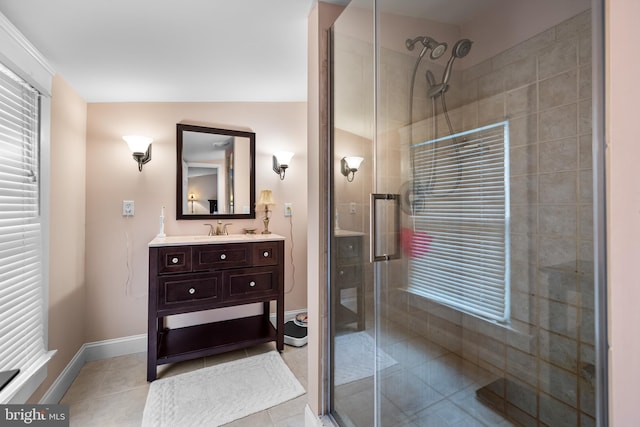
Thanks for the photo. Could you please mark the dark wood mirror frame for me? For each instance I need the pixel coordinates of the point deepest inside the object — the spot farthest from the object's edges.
(181, 128)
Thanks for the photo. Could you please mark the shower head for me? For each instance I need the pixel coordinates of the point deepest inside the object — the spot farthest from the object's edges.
(437, 49)
(461, 48)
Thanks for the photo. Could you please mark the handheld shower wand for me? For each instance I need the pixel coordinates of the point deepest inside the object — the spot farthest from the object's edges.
(460, 50)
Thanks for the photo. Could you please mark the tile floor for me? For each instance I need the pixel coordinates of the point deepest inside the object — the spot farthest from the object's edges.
(113, 392)
(428, 386)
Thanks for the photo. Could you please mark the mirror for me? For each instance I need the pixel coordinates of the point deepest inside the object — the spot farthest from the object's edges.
(215, 173)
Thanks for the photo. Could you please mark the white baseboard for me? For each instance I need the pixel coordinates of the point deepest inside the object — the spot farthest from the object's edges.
(110, 348)
(116, 347)
(88, 352)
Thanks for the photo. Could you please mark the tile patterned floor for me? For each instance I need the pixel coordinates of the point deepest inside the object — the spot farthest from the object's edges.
(429, 386)
(113, 392)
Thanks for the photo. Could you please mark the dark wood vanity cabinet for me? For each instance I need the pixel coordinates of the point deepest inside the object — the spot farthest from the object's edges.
(348, 280)
(185, 278)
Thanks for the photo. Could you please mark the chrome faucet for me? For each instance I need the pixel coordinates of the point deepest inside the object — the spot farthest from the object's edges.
(220, 230)
(224, 229)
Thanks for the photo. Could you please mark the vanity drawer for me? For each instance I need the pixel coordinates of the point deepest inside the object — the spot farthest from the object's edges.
(174, 259)
(349, 249)
(214, 257)
(247, 284)
(349, 275)
(189, 289)
(266, 253)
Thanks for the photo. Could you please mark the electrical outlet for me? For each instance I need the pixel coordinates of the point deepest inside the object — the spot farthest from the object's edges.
(352, 208)
(288, 209)
(128, 208)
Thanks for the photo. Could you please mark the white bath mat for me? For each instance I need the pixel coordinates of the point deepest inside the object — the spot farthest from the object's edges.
(222, 393)
(354, 357)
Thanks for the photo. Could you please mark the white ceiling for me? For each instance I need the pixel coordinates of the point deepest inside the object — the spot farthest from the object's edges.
(171, 50)
(187, 50)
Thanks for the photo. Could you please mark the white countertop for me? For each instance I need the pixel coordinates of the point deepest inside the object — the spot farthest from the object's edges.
(212, 240)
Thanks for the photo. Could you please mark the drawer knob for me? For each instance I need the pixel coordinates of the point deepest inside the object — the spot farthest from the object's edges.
(192, 291)
(265, 254)
(341, 272)
(223, 256)
(252, 284)
(350, 247)
(174, 260)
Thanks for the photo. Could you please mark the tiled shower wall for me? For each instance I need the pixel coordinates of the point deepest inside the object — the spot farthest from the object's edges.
(546, 353)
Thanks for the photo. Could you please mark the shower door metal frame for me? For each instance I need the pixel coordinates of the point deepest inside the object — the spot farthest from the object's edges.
(599, 212)
(329, 325)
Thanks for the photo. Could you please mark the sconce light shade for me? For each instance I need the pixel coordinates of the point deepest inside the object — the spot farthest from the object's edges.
(349, 166)
(140, 147)
(281, 161)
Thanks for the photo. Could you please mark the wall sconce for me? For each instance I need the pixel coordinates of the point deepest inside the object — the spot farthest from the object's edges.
(192, 198)
(349, 166)
(140, 146)
(281, 161)
(266, 200)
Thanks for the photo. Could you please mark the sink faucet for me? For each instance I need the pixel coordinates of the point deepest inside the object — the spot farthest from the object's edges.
(220, 230)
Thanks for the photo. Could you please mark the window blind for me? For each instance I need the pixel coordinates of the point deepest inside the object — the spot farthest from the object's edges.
(21, 284)
(461, 211)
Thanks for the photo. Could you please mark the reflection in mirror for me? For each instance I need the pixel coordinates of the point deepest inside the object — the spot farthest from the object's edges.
(215, 173)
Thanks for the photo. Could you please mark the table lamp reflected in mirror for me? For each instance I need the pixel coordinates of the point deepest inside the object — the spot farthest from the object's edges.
(192, 198)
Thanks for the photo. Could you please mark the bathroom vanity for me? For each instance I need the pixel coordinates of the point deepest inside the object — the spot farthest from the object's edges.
(195, 273)
(348, 283)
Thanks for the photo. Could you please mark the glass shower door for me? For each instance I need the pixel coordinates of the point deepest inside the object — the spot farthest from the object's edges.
(351, 293)
(470, 219)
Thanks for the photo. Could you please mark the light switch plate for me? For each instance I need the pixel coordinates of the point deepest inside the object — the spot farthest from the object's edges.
(128, 208)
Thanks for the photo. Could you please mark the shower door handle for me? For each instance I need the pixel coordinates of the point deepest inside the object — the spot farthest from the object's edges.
(384, 227)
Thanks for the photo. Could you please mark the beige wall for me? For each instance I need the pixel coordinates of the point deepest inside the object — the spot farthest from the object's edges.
(623, 206)
(67, 232)
(116, 246)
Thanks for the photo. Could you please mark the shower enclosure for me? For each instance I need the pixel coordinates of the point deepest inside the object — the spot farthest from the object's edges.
(465, 255)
